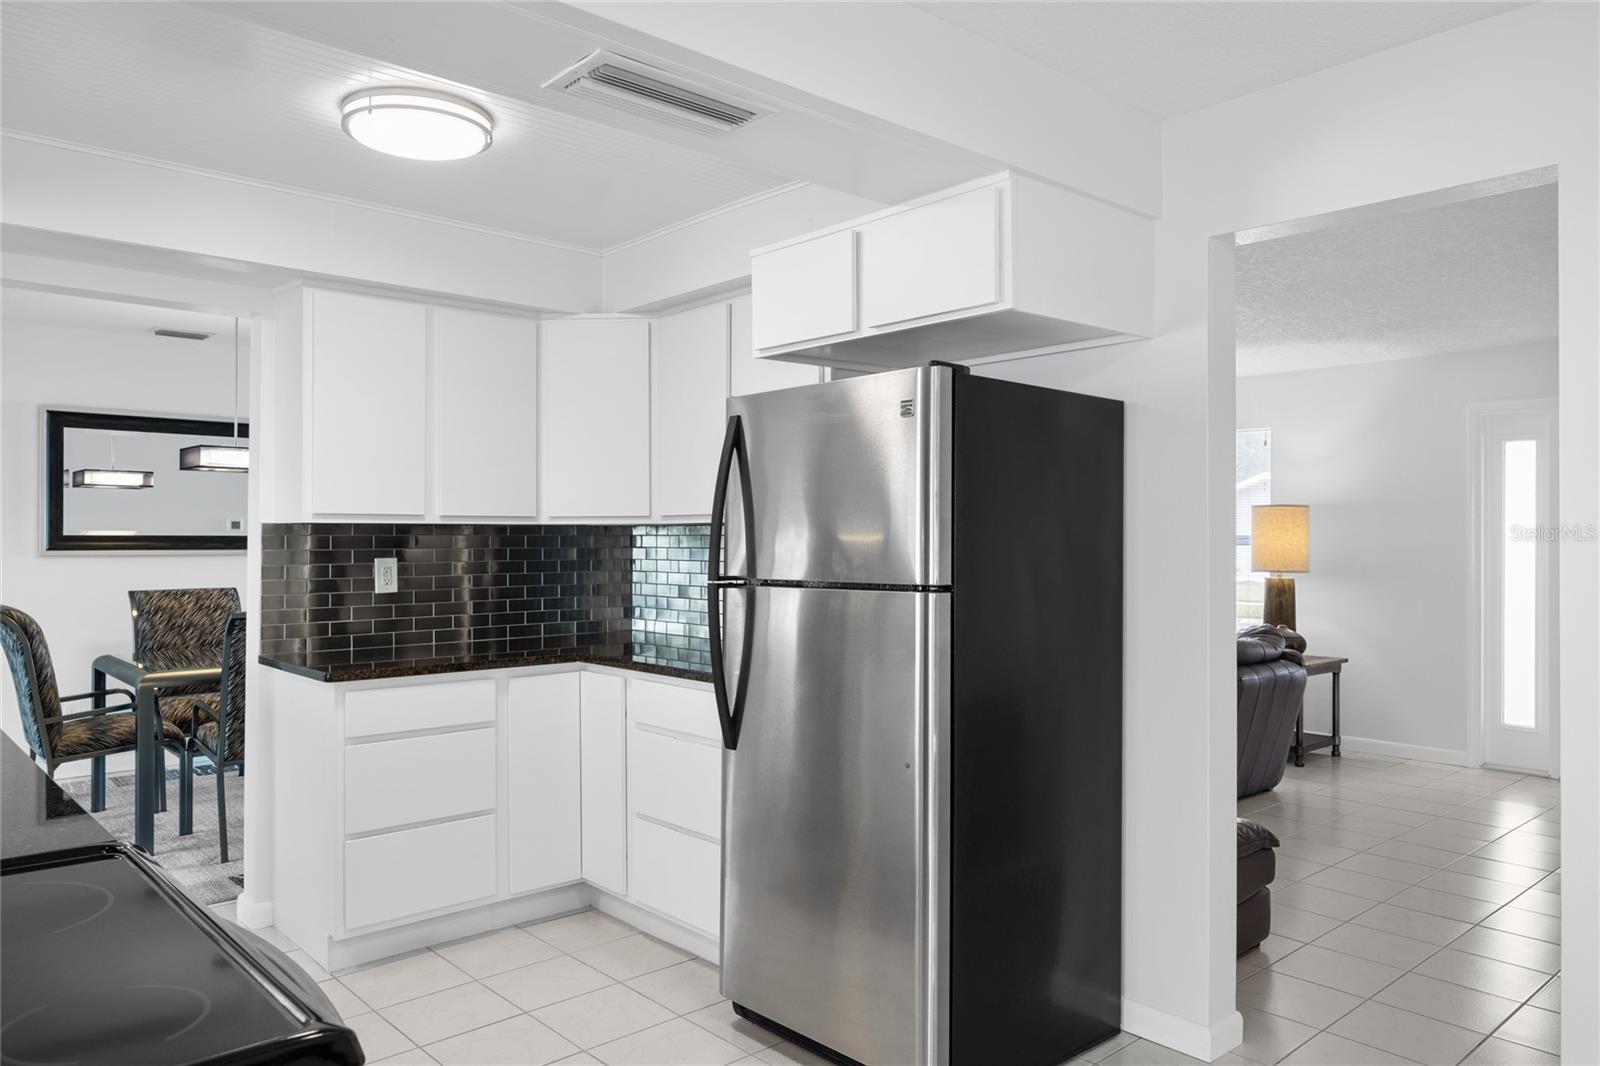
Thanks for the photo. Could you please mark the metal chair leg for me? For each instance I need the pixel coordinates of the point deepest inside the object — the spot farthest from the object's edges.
(97, 783)
(186, 793)
(161, 768)
(222, 810)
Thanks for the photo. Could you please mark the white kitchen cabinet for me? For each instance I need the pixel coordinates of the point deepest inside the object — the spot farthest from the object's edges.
(805, 290)
(676, 780)
(542, 781)
(931, 260)
(605, 785)
(748, 374)
(594, 418)
(365, 394)
(414, 871)
(1000, 265)
(418, 779)
(677, 874)
(689, 392)
(485, 395)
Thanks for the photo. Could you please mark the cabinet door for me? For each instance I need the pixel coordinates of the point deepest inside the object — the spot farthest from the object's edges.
(750, 373)
(542, 771)
(931, 260)
(366, 388)
(485, 389)
(805, 291)
(594, 418)
(605, 795)
(677, 874)
(689, 386)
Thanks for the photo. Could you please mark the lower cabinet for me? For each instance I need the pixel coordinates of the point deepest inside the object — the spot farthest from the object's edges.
(413, 871)
(677, 874)
(675, 802)
(605, 783)
(429, 798)
(543, 781)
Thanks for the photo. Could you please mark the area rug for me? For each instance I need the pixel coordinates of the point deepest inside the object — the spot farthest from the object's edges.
(191, 861)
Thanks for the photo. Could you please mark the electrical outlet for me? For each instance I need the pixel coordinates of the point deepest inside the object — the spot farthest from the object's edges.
(385, 576)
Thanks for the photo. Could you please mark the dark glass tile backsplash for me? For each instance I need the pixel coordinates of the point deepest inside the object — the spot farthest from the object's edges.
(479, 590)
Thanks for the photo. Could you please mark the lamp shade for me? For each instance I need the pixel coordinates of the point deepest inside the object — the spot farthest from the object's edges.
(1280, 538)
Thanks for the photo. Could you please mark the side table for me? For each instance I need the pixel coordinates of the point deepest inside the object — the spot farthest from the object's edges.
(1303, 741)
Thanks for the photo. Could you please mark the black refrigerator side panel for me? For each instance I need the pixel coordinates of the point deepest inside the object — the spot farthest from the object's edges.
(1036, 723)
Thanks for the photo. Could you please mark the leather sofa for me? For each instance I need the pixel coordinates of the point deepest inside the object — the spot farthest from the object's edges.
(1258, 865)
(1271, 684)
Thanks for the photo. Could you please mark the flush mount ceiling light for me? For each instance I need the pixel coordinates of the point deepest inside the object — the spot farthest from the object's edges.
(417, 123)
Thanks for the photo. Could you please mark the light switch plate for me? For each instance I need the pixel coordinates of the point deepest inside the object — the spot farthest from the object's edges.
(385, 575)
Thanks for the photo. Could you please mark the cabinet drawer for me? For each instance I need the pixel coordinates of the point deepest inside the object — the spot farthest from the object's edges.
(414, 871)
(373, 711)
(677, 781)
(397, 782)
(676, 874)
(682, 710)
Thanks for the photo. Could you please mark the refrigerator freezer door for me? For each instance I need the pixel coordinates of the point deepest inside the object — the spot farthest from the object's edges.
(849, 481)
(833, 861)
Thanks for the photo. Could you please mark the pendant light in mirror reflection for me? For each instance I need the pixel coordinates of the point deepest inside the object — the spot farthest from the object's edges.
(221, 458)
(111, 477)
(420, 124)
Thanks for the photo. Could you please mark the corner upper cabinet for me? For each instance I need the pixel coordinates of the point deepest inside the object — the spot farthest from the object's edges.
(689, 386)
(365, 381)
(485, 390)
(1001, 265)
(804, 291)
(594, 417)
(749, 374)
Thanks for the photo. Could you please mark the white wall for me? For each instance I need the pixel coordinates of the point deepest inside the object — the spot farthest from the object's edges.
(81, 600)
(1380, 451)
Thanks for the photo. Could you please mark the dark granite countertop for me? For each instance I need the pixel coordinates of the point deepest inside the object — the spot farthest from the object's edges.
(381, 671)
(38, 817)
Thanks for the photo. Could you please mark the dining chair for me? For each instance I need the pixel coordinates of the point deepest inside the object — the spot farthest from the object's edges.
(174, 629)
(58, 737)
(216, 730)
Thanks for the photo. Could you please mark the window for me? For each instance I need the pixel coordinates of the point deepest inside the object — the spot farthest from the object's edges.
(1252, 485)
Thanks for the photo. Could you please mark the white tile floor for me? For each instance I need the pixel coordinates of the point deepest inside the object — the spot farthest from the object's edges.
(1416, 918)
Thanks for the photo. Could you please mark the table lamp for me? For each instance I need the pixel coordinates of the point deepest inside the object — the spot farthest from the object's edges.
(1280, 543)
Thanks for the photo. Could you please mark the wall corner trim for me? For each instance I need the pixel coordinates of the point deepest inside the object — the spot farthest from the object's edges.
(1204, 1042)
(253, 913)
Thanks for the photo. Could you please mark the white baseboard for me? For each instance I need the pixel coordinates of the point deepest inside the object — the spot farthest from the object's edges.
(648, 921)
(1207, 1043)
(345, 955)
(1447, 756)
(253, 914)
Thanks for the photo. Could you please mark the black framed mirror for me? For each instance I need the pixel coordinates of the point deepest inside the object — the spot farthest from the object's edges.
(113, 482)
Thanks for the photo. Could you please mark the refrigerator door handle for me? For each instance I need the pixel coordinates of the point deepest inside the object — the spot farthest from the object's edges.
(730, 712)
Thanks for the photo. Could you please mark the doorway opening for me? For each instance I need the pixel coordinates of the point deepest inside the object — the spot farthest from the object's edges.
(1418, 824)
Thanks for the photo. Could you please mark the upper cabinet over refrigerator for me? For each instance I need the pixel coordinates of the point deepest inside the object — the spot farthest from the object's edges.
(1000, 265)
(849, 481)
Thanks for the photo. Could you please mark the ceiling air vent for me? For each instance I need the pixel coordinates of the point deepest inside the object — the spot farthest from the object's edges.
(652, 94)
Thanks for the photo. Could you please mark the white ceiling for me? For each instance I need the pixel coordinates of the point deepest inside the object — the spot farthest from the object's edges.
(113, 316)
(1169, 58)
(199, 87)
(1466, 276)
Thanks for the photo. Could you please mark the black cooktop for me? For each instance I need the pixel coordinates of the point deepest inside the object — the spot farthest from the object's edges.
(103, 960)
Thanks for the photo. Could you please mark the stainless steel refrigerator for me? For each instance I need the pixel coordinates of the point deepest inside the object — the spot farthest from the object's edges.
(916, 627)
